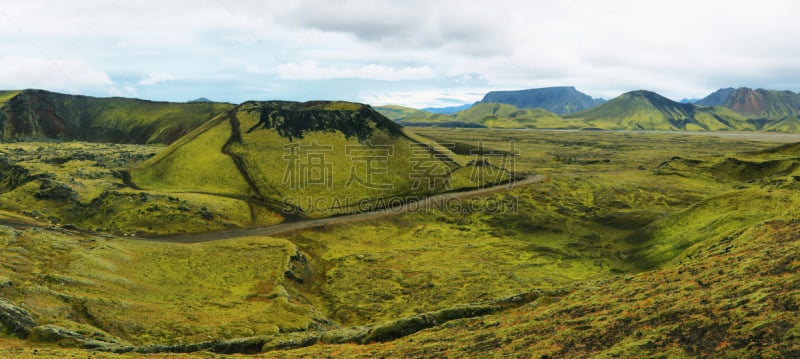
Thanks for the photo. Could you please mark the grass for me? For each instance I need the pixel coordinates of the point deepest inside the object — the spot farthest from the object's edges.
(144, 291)
(651, 239)
(7, 95)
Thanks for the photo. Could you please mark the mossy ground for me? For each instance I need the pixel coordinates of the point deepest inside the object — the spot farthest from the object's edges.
(78, 183)
(657, 254)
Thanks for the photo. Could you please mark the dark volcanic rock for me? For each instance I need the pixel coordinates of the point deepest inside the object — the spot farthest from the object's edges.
(15, 320)
(50, 189)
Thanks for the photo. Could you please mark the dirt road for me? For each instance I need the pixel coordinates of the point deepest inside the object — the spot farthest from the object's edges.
(427, 202)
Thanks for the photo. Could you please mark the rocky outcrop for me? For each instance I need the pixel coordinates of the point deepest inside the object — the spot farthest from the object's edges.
(15, 320)
(357, 335)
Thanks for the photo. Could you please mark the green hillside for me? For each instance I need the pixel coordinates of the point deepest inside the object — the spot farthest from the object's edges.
(7, 95)
(308, 159)
(645, 110)
(492, 115)
(496, 115)
(38, 114)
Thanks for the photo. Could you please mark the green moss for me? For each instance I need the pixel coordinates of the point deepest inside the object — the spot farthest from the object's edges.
(144, 291)
(198, 165)
(7, 95)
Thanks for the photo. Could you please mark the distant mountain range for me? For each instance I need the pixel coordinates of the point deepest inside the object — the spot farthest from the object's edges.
(39, 114)
(447, 110)
(559, 100)
(740, 109)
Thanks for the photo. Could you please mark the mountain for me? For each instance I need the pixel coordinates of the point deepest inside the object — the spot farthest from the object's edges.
(311, 159)
(492, 115)
(39, 114)
(758, 103)
(717, 98)
(645, 110)
(448, 110)
(496, 115)
(560, 100)
(401, 113)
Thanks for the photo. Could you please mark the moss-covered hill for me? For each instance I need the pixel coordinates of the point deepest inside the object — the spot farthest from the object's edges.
(491, 115)
(308, 159)
(645, 110)
(38, 114)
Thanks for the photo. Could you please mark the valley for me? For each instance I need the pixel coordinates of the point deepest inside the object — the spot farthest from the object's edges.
(611, 224)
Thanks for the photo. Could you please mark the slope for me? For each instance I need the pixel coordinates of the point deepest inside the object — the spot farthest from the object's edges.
(497, 115)
(645, 110)
(38, 114)
(717, 98)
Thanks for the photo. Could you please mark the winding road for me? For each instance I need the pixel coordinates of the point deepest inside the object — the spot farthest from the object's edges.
(435, 201)
(427, 202)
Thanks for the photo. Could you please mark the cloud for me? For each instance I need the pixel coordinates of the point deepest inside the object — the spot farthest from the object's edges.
(424, 98)
(373, 49)
(309, 70)
(65, 74)
(155, 78)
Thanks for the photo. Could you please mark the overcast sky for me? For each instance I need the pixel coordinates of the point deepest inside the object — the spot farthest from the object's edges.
(415, 52)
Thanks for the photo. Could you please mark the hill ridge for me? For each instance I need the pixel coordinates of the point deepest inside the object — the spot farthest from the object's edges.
(45, 115)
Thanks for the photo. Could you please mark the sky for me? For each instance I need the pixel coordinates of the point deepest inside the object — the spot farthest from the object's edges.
(418, 53)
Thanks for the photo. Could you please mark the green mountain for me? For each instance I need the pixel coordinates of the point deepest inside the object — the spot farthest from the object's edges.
(38, 114)
(403, 114)
(310, 159)
(756, 104)
(645, 110)
(560, 100)
(492, 115)
(497, 115)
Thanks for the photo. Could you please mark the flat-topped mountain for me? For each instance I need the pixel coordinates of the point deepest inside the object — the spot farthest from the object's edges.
(560, 100)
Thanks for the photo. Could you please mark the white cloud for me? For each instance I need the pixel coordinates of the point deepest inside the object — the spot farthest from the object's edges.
(66, 74)
(680, 48)
(424, 98)
(155, 78)
(310, 70)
